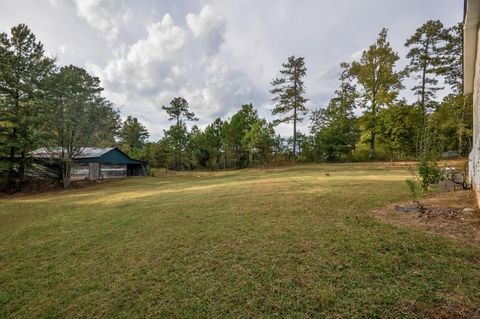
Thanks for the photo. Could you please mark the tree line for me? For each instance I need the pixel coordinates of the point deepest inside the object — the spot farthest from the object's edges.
(390, 127)
(367, 119)
(62, 109)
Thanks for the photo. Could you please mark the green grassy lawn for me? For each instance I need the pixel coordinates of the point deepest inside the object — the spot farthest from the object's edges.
(287, 242)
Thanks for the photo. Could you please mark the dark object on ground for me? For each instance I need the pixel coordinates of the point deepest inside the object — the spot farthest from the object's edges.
(407, 209)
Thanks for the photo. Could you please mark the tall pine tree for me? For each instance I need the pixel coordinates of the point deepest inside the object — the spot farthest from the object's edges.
(23, 67)
(426, 46)
(452, 61)
(289, 91)
(452, 69)
(178, 111)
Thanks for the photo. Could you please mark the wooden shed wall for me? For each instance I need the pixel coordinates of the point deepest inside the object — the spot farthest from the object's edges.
(79, 172)
(113, 171)
(92, 171)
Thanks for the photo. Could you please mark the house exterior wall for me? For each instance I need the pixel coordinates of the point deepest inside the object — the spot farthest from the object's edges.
(474, 159)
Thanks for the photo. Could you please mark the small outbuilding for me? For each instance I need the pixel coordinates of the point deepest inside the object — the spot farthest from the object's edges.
(92, 164)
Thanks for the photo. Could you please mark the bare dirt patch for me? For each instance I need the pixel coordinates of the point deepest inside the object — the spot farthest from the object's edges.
(450, 214)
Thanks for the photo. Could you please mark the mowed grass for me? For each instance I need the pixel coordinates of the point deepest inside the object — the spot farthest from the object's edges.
(287, 242)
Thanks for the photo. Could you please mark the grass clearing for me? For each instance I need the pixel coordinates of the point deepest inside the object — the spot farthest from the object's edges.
(286, 242)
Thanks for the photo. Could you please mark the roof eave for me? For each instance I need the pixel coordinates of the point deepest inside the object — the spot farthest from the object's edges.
(470, 30)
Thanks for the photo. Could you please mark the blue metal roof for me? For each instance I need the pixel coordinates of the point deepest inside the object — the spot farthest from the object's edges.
(111, 155)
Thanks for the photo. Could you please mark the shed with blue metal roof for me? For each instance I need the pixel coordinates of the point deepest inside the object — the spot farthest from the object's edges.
(92, 163)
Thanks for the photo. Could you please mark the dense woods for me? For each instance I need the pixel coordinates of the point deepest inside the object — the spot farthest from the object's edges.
(62, 109)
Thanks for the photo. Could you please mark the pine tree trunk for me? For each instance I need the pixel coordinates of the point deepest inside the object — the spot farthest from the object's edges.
(295, 121)
(422, 105)
(177, 152)
(423, 114)
(294, 133)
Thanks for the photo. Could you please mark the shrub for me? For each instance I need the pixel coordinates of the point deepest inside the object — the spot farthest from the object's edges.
(429, 174)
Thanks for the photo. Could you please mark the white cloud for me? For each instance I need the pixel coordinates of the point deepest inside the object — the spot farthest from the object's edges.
(218, 54)
(146, 61)
(174, 60)
(106, 16)
(208, 27)
(205, 23)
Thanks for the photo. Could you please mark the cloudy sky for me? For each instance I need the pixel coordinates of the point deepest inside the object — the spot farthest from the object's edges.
(218, 54)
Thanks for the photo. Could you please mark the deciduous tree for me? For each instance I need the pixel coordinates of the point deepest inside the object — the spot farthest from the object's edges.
(76, 116)
(398, 129)
(335, 127)
(378, 80)
(234, 132)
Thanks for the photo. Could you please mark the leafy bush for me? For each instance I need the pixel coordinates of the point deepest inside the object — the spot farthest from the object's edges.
(429, 174)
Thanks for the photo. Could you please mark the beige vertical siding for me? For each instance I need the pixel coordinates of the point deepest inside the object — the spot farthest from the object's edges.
(474, 160)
